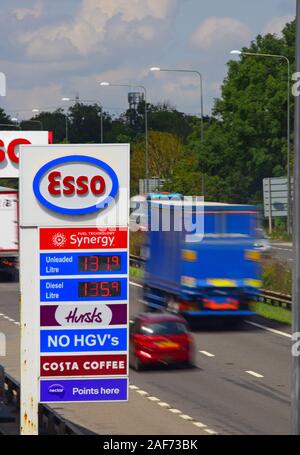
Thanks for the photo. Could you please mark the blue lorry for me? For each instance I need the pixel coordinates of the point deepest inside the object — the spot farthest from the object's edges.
(200, 258)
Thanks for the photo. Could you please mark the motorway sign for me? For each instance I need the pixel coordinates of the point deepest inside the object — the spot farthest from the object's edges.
(275, 191)
(74, 274)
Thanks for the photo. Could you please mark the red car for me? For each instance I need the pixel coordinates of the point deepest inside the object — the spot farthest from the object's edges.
(160, 338)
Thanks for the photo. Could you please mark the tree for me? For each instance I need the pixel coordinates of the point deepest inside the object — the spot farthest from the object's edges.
(247, 140)
(165, 151)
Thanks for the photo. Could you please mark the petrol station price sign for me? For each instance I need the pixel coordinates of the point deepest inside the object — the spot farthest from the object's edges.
(74, 275)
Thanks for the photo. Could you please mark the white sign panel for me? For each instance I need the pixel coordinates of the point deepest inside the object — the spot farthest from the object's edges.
(10, 142)
(9, 221)
(74, 265)
(90, 182)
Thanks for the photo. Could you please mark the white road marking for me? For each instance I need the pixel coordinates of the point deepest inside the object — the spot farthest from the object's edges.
(175, 411)
(277, 332)
(186, 417)
(208, 354)
(210, 431)
(253, 373)
(153, 399)
(199, 424)
(163, 404)
(133, 387)
(135, 284)
(142, 392)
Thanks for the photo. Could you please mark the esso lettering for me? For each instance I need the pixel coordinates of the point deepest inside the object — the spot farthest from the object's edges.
(69, 185)
(11, 149)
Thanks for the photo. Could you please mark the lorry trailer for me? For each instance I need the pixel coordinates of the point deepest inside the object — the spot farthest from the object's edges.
(200, 258)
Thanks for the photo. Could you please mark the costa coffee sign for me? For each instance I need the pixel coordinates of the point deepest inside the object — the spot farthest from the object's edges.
(10, 142)
(76, 185)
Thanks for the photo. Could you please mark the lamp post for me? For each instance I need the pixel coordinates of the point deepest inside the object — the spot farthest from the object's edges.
(101, 112)
(36, 111)
(108, 84)
(157, 68)
(279, 56)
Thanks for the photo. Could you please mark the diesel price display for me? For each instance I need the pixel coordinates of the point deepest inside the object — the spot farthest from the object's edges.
(99, 288)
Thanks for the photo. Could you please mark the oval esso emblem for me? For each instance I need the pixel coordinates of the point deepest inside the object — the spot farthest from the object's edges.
(75, 185)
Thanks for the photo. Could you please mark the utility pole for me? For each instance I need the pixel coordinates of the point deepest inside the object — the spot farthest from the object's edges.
(296, 247)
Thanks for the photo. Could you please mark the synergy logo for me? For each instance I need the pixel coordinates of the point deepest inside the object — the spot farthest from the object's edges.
(75, 185)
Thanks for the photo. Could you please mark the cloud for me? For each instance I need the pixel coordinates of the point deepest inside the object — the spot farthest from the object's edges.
(221, 32)
(23, 13)
(99, 25)
(276, 24)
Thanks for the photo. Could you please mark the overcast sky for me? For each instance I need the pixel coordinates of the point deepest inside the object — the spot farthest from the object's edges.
(55, 48)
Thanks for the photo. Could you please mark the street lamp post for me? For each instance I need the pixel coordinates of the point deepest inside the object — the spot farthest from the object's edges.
(157, 68)
(101, 112)
(36, 111)
(108, 84)
(278, 56)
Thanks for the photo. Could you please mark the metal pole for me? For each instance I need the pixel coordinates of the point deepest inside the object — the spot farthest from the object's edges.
(289, 211)
(67, 139)
(295, 396)
(101, 126)
(270, 206)
(147, 142)
(201, 104)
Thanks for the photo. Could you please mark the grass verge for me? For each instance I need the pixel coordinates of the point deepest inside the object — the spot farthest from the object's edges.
(273, 312)
(135, 272)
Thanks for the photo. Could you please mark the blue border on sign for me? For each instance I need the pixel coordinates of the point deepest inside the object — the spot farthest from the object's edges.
(72, 158)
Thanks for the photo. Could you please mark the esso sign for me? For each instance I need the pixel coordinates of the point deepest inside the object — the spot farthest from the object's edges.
(9, 148)
(75, 185)
(10, 152)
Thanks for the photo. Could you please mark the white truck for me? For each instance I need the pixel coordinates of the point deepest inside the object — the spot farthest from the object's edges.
(9, 237)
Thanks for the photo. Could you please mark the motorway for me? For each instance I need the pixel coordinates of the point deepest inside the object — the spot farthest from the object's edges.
(241, 383)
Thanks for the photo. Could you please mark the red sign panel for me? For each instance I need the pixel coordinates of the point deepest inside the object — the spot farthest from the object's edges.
(84, 365)
(82, 238)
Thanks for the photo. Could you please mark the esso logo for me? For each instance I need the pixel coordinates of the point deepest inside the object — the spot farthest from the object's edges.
(11, 149)
(75, 185)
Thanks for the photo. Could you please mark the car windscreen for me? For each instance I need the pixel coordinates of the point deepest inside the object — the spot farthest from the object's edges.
(163, 328)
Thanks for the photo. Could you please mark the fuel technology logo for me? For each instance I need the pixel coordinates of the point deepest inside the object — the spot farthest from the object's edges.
(59, 240)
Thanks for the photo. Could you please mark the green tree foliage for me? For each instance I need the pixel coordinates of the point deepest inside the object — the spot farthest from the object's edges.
(165, 153)
(248, 139)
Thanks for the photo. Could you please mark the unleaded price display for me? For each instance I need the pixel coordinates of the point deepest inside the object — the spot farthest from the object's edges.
(99, 263)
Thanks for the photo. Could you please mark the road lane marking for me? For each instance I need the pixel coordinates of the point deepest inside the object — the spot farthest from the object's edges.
(199, 424)
(153, 399)
(253, 373)
(186, 417)
(135, 284)
(208, 354)
(210, 431)
(165, 405)
(277, 332)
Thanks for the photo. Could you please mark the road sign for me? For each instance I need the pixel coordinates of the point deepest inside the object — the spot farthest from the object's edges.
(276, 194)
(74, 275)
(10, 142)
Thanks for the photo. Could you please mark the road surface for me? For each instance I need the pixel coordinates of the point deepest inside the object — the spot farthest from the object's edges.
(241, 383)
